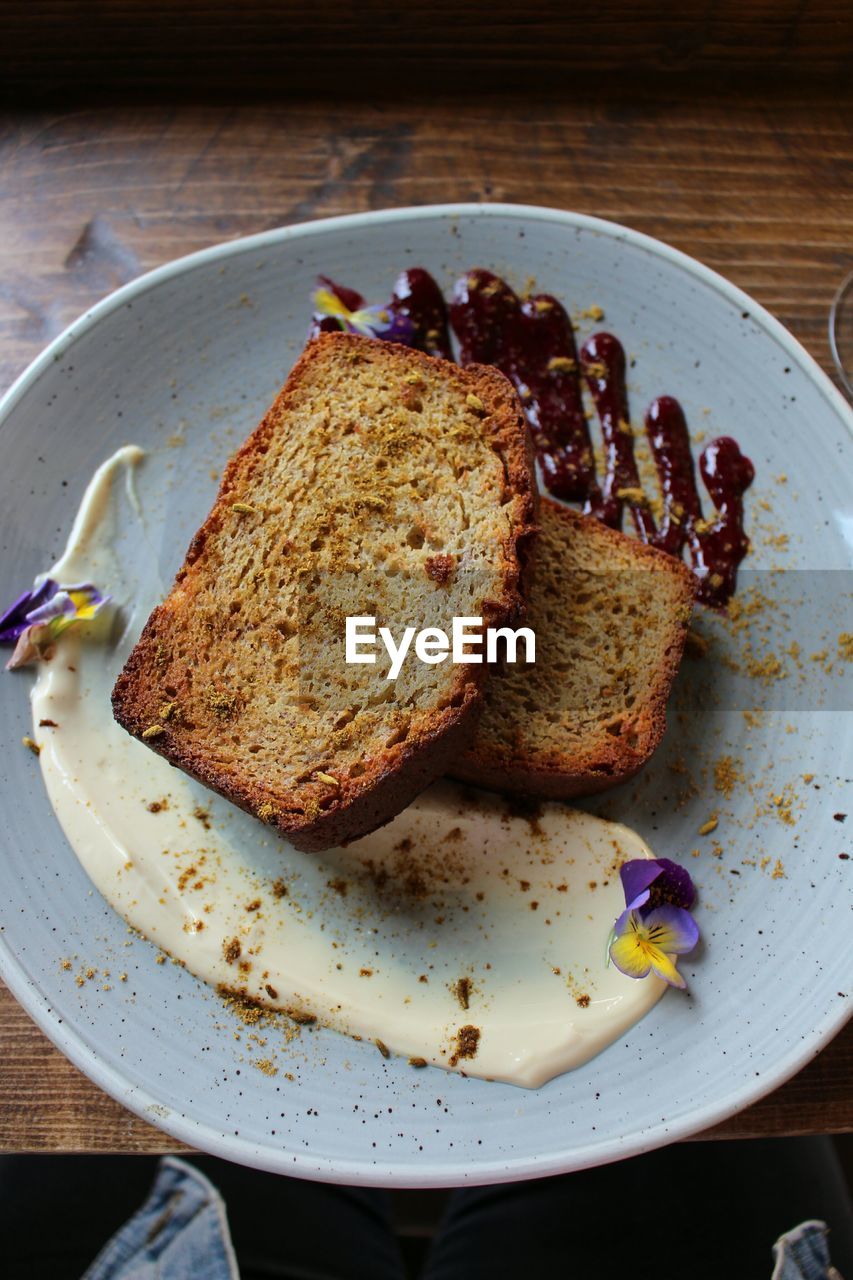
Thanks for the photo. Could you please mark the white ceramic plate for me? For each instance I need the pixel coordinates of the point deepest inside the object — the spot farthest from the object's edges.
(199, 347)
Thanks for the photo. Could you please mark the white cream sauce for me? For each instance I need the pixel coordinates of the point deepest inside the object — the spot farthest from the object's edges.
(372, 939)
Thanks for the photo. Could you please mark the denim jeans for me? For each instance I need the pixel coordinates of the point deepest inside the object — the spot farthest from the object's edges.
(181, 1232)
(693, 1211)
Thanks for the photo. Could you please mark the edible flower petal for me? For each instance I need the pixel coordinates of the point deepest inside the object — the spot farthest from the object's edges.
(651, 882)
(372, 322)
(641, 945)
(15, 619)
(636, 877)
(37, 619)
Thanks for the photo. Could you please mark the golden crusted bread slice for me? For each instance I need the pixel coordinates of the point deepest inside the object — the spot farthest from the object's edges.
(384, 483)
(610, 617)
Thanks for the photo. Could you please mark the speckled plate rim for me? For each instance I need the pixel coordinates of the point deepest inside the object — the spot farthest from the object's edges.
(435, 1173)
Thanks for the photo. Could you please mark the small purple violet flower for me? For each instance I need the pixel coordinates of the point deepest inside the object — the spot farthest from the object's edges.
(656, 923)
(375, 321)
(38, 617)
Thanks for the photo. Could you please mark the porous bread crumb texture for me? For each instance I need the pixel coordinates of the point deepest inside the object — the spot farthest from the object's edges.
(610, 617)
(341, 503)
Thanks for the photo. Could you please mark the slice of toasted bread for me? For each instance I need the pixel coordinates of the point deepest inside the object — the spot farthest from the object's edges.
(610, 616)
(381, 483)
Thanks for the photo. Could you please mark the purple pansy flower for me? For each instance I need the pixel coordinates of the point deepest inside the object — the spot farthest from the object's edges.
(38, 617)
(372, 322)
(656, 923)
(646, 944)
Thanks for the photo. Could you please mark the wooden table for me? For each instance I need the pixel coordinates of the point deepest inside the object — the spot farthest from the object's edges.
(756, 183)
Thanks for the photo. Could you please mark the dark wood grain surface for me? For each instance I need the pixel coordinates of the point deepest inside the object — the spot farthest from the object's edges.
(50, 49)
(757, 184)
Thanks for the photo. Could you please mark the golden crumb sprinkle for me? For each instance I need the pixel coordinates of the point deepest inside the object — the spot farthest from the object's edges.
(632, 495)
(562, 364)
(727, 775)
(474, 402)
(153, 731)
(31, 745)
(417, 1062)
(845, 646)
(221, 704)
(783, 804)
(778, 872)
(709, 826)
(462, 991)
(244, 509)
(467, 1043)
(766, 669)
(327, 778)
(265, 1065)
(383, 1048)
(266, 811)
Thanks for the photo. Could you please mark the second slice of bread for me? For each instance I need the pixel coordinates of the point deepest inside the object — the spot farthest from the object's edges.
(610, 617)
(381, 482)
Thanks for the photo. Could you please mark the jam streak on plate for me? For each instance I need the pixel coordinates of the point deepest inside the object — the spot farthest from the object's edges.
(604, 367)
(417, 296)
(716, 546)
(533, 343)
